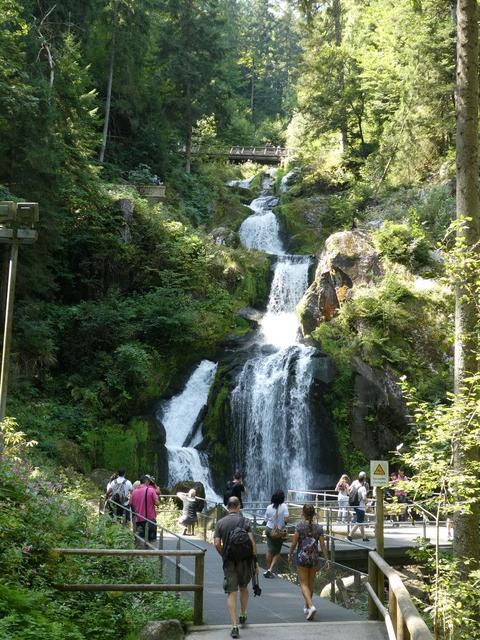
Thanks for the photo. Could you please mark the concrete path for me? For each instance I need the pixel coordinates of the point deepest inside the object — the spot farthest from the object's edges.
(280, 602)
(303, 631)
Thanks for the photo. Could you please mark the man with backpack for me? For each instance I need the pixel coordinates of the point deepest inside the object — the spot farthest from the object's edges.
(235, 543)
(357, 498)
(118, 491)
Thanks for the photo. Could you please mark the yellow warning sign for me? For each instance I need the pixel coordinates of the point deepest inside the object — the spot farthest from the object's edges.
(379, 473)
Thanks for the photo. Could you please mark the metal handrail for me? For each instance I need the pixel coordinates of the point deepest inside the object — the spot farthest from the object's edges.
(152, 522)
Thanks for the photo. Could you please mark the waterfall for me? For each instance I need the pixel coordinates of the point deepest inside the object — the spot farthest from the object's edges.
(280, 324)
(179, 416)
(272, 420)
(269, 403)
(261, 231)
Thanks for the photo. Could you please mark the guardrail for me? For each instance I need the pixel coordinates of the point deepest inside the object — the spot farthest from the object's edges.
(171, 556)
(402, 618)
(197, 587)
(264, 152)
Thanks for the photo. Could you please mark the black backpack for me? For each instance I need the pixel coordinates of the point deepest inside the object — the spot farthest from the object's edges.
(239, 545)
(353, 499)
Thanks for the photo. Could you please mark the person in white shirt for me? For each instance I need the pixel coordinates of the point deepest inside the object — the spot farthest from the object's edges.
(359, 487)
(276, 517)
(119, 490)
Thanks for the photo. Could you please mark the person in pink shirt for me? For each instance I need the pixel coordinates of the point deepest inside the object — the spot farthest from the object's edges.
(143, 500)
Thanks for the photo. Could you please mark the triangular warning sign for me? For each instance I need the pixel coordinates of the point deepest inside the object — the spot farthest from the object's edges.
(379, 471)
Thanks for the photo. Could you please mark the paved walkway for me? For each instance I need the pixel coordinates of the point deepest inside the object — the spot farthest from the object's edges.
(304, 631)
(281, 601)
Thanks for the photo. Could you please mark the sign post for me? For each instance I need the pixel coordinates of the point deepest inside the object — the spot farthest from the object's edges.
(379, 478)
(18, 222)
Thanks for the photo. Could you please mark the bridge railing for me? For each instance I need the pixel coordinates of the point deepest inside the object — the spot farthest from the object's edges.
(238, 151)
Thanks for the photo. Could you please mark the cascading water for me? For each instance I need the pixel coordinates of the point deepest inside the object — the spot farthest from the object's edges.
(270, 400)
(179, 416)
(261, 231)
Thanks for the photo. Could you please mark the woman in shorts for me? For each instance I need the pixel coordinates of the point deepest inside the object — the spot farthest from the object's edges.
(305, 541)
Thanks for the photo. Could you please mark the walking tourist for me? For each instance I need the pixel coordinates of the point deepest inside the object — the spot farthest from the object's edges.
(234, 541)
(235, 488)
(143, 500)
(118, 491)
(189, 513)
(305, 541)
(357, 499)
(276, 517)
(400, 493)
(343, 487)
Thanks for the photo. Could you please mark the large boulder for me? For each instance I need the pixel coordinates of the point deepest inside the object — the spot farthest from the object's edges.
(100, 477)
(379, 413)
(162, 630)
(349, 258)
(225, 236)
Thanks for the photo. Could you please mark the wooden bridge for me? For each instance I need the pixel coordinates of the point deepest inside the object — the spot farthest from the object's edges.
(261, 154)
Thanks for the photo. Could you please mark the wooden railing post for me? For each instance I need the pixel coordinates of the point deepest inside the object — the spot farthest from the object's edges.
(392, 606)
(380, 541)
(198, 595)
(372, 579)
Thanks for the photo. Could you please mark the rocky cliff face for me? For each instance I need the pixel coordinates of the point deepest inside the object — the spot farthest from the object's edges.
(348, 259)
(378, 415)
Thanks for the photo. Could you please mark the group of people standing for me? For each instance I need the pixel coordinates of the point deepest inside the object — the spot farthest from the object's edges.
(140, 501)
(355, 494)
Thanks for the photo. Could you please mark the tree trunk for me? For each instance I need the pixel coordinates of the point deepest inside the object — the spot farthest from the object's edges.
(189, 124)
(108, 101)
(466, 525)
(252, 92)
(337, 19)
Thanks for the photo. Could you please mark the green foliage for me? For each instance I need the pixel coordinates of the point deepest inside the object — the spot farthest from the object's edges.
(42, 510)
(405, 243)
(376, 323)
(379, 77)
(140, 175)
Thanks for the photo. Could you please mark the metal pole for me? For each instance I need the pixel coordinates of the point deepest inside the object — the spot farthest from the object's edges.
(177, 564)
(7, 333)
(332, 569)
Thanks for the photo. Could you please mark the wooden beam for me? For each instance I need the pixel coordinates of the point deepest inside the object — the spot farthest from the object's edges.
(127, 552)
(128, 587)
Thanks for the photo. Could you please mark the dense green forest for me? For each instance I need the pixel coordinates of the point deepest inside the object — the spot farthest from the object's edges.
(118, 299)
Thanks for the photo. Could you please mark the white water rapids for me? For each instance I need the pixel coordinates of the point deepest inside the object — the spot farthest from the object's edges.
(269, 403)
(179, 416)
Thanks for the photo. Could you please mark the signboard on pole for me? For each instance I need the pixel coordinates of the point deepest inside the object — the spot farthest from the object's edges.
(379, 473)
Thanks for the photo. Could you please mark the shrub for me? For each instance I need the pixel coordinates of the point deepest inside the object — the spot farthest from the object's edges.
(40, 510)
(403, 242)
